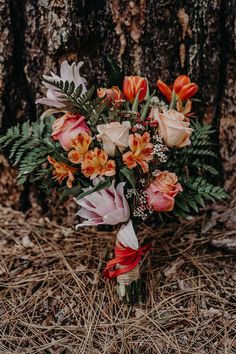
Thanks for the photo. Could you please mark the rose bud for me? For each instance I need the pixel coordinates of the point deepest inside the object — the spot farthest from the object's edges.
(134, 84)
(113, 96)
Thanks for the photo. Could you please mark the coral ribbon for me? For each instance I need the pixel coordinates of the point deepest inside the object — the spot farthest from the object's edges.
(126, 257)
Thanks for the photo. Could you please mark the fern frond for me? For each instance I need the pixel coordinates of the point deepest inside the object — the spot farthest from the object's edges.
(28, 146)
(11, 135)
(73, 98)
(197, 190)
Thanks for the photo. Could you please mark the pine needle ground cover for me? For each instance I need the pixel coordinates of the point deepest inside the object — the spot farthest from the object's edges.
(53, 298)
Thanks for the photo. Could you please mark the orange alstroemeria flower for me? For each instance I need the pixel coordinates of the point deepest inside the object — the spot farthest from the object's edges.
(96, 163)
(185, 109)
(141, 151)
(134, 84)
(80, 147)
(183, 88)
(62, 171)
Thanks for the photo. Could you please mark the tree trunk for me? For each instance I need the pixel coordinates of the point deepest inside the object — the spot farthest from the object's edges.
(159, 39)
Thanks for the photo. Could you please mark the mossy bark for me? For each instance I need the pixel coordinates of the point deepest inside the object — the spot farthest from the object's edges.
(160, 39)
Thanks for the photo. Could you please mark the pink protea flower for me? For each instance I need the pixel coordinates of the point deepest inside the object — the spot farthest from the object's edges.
(162, 191)
(68, 73)
(67, 128)
(107, 206)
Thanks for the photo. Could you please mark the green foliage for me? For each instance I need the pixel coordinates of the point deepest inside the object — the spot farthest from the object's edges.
(75, 100)
(200, 157)
(195, 191)
(115, 73)
(130, 176)
(29, 146)
(101, 185)
(194, 165)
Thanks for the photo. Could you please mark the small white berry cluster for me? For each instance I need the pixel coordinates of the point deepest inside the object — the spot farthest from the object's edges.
(142, 182)
(158, 139)
(155, 173)
(160, 149)
(129, 193)
(142, 210)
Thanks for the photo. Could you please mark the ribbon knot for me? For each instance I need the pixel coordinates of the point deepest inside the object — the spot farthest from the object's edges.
(127, 257)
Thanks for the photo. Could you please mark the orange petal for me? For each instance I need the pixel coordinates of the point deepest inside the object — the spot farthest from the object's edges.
(129, 160)
(188, 91)
(75, 157)
(142, 85)
(180, 82)
(128, 88)
(165, 90)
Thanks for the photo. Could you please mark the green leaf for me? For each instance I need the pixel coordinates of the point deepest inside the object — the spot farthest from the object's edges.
(136, 102)
(173, 101)
(146, 106)
(27, 147)
(130, 176)
(181, 203)
(74, 191)
(193, 205)
(101, 185)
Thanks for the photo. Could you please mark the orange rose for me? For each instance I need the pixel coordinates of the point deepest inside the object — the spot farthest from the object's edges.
(162, 191)
(174, 129)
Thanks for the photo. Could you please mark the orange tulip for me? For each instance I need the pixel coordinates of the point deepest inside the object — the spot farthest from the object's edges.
(141, 151)
(114, 96)
(134, 84)
(80, 147)
(183, 88)
(96, 163)
(62, 171)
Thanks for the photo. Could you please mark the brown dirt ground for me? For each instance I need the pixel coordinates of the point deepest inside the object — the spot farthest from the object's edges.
(54, 299)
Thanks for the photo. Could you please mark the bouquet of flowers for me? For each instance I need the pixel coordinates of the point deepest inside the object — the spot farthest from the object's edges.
(123, 153)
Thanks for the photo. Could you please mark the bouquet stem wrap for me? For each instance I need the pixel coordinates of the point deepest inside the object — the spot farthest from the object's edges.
(125, 267)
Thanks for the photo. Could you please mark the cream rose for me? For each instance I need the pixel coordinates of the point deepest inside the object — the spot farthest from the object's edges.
(114, 134)
(174, 129)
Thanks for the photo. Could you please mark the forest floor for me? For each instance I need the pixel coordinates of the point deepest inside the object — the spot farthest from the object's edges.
(54, 299)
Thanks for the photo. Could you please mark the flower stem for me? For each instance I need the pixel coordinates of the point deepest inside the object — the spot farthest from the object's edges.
(173, 100)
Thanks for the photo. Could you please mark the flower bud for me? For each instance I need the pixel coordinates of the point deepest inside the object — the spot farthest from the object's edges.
(113, 96)
(134, 84)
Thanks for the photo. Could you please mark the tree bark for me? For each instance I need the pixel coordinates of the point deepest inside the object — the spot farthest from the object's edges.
(159, 39)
